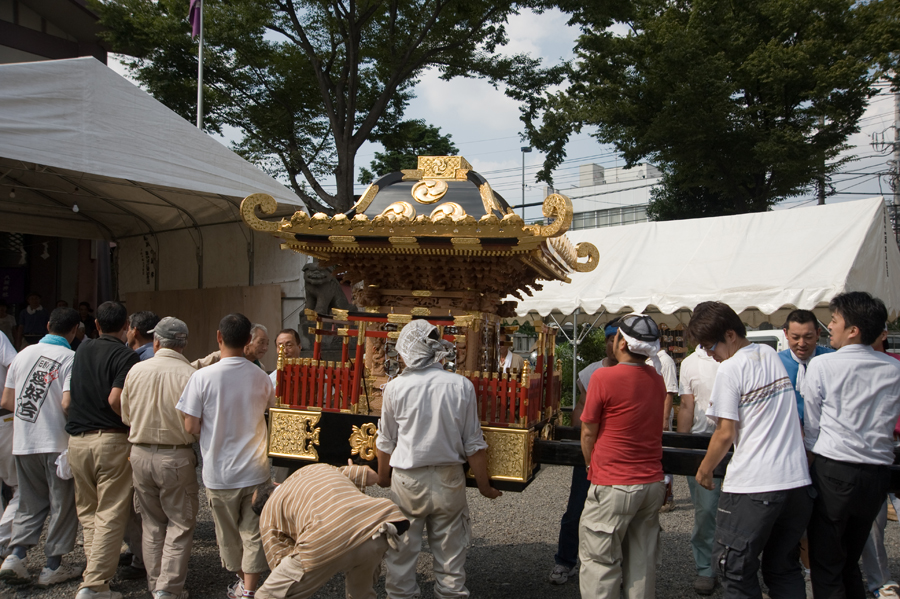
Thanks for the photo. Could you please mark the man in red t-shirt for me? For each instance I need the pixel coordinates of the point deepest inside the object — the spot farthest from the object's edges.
(622, 446)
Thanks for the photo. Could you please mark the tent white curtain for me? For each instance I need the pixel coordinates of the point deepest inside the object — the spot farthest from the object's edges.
(75, 133)
(762, 265)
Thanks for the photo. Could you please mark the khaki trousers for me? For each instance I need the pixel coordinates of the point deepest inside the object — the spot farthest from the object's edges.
(237, 530)
(432, 496)
(361, 566)
(618, 540)
(166, 496)
(103, 496)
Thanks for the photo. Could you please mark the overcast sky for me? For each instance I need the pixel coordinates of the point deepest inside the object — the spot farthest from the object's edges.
(485, 126)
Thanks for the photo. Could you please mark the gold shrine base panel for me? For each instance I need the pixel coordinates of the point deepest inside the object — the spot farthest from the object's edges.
(296, 434)
(509, 453)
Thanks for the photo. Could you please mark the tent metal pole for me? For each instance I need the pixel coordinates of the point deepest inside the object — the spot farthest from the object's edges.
(575, 356)
(200, 73)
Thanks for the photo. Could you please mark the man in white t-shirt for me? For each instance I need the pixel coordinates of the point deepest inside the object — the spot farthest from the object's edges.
(698, 374)
(225, 404)
(766, 498)
(33, 392)
(7, 463)
(667, 370)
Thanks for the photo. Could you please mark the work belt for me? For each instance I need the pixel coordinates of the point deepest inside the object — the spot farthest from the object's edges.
(123, 431)
(158, 446)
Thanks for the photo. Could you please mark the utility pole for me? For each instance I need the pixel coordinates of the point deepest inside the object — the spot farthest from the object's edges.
(821, 185)
(896, 165)
(525, 150)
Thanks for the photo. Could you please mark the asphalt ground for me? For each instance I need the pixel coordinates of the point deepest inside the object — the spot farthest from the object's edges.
(514, 540)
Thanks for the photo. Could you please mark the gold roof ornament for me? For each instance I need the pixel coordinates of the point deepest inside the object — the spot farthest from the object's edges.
(446, 230)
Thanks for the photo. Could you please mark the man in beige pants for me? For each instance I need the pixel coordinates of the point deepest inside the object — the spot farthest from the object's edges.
(163, 461)
(622, 445)
(429, 427)
(320, 522)
(99, 448)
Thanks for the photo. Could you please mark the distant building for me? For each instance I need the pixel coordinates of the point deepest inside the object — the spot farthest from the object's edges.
(32, 30)
(606, 197)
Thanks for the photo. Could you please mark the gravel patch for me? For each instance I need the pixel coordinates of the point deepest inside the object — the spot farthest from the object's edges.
(514, 540)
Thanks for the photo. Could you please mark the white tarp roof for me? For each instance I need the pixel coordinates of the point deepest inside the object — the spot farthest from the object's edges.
(798, 258)
(75, 132)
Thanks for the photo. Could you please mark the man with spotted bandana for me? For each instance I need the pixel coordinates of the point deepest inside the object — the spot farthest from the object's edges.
(428, 428)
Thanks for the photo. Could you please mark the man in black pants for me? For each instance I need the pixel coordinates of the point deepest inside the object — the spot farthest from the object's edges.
(852, 400)
(766, 496)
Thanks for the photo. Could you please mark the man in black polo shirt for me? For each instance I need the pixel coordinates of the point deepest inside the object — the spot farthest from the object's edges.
(99, 448)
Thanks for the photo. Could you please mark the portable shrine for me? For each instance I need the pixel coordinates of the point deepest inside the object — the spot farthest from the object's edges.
(435, 243)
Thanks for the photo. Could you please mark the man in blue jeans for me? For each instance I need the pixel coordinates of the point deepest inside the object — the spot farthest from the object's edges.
(567, 551)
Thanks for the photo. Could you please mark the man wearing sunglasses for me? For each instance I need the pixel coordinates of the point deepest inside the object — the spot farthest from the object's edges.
(766, 498)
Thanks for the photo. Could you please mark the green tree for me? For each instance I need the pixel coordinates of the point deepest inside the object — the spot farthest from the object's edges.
(307, 82)
(591, 349)
(741, 104)
(403, 145)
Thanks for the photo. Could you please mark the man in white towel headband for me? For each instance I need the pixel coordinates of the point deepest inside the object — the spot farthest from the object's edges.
(619, 532)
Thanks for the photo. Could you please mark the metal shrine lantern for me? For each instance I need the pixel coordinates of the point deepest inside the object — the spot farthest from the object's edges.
(435, 243)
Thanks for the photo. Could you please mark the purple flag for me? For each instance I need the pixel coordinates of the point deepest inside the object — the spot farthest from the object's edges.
(194, 17)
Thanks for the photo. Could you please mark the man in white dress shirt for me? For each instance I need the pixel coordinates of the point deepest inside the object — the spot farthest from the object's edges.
(852, 401)
(428, 428)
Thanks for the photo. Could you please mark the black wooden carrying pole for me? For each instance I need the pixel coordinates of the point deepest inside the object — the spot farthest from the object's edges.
(682, 453)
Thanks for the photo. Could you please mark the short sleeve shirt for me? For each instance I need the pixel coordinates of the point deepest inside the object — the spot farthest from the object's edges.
(753, 389)
(100, 366)
(626, 401)
(698, 375)
(230, 397)
(36, 375)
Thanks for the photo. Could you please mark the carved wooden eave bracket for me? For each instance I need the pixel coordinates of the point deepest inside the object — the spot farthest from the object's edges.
(399, 229)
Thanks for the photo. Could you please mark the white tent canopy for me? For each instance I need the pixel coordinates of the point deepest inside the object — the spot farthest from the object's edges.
(73, 132)
(760, 264)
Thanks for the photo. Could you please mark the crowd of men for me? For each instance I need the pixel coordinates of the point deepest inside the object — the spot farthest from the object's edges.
(104, 436)
(811, 431)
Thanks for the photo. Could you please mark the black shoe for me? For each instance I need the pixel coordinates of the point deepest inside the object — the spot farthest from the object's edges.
(704, 585)
(129, 572)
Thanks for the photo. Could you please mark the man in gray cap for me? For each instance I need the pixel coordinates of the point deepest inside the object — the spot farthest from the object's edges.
(163, 461)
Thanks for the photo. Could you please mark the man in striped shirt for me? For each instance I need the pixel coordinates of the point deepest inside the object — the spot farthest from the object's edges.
(318, 523)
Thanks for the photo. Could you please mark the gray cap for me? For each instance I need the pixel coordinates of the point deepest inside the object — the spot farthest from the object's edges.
(170, 328)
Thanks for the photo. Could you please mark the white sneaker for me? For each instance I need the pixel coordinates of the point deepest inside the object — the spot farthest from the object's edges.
(13, 571)
(63, 573)
(560, 574)
(889, 590)
(236, 589)
(168, 595)
(87, 593)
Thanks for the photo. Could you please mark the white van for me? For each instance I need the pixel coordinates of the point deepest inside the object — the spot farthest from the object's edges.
(774, 338)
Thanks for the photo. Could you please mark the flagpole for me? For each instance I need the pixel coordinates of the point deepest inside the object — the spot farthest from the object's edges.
(200, 72)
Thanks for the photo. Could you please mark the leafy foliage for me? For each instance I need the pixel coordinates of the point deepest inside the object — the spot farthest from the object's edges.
(403, 145)
(591, 349)
(741, 104)
(306, 82)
